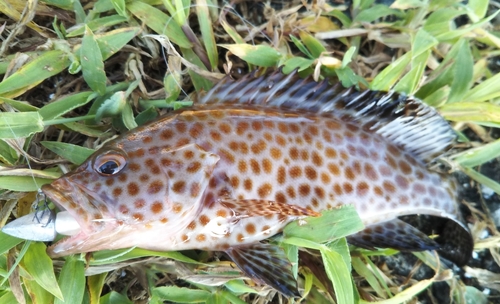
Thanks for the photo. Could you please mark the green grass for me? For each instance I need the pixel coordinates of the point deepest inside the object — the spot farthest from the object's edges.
(439, 51)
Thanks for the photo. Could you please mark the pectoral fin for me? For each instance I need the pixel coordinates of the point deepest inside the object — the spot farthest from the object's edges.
(393, 234)
(266, 264)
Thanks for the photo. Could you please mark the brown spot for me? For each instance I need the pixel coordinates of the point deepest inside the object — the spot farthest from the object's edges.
(311, 173)
(405, 168)
(221, 213)
(390, 160)
(144, 178)
(194, 167)
(314, 202)
(248, 184)
(188, 154)
(281, 175)
(427, 201)
(235, 181)
(268, 124)
(234, 146)
(385, 170)
(266, 228)
(267, 166)
(291, 192)
(325, 178)
(320, 192)
(147, 139)
(280, 140)
(179, 186)
(432, 191)
(349, 174)
(110, 182)
(183, 141)
(132, 189)
(163, 220)
(177, 208)
(227, 155)
(402, 182)
(304, 190)
(201, 237)
(344, 155)
(155, 170)
(264, 190)
(410, 159)
(295, 172)
(255, 166)
(330, 153)
(139, 204)
(138, 217)
(294, 153)
(139, 152)
(204, 220)
(180, 127)
(334, 169)
(117, 192)
(250, 228)
(225, 128)
(256, 125)
(327, 136)
(196, 130)
(194, 190)
(294, 128)
(268, 136)
(242, 166)
(362, 189)
(280, 198)
(184, 238)
(275, 153)
(378, 191)
(191, 225)
(370, 172)
(283, 127)
(317, 159)
(419, 188)
(304, 155)
(123, 209)
(215, 135)
(155, 187)
(333, 125)
(351, 149)
(258, 147)
(242, 127)
(394, 151)
(313, 130)
(166, 134)
(389, 187)
(243, 148)
(134, 167)
(240, 238)
(157, 207)
(347, 187)
(307, 138)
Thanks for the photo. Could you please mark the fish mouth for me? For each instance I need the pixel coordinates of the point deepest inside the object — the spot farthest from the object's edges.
(95, 231)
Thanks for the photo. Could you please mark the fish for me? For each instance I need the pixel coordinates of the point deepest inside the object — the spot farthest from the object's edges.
(254, 154)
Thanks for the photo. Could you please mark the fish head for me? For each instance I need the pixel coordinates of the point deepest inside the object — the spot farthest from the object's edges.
(124, 198)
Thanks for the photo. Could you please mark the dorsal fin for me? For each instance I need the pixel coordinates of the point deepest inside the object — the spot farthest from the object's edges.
(404, 120)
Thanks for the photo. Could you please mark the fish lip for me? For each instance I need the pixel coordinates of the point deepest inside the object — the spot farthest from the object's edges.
(62, 193)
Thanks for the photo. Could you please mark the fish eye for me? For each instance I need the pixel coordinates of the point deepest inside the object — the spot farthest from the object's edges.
(109, 164)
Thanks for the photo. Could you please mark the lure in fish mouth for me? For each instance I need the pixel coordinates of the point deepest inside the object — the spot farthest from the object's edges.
(255, 154)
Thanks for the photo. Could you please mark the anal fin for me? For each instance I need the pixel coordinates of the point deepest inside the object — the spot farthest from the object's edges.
(259, 207)
(266, 263)
(394, 234)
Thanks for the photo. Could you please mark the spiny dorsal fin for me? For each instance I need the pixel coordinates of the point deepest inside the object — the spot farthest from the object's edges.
(404, 120)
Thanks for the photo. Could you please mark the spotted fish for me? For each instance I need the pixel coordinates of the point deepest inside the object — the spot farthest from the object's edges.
(254, 154)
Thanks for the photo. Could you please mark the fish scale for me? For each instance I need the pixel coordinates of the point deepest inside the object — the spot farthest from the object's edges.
(233, 170)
